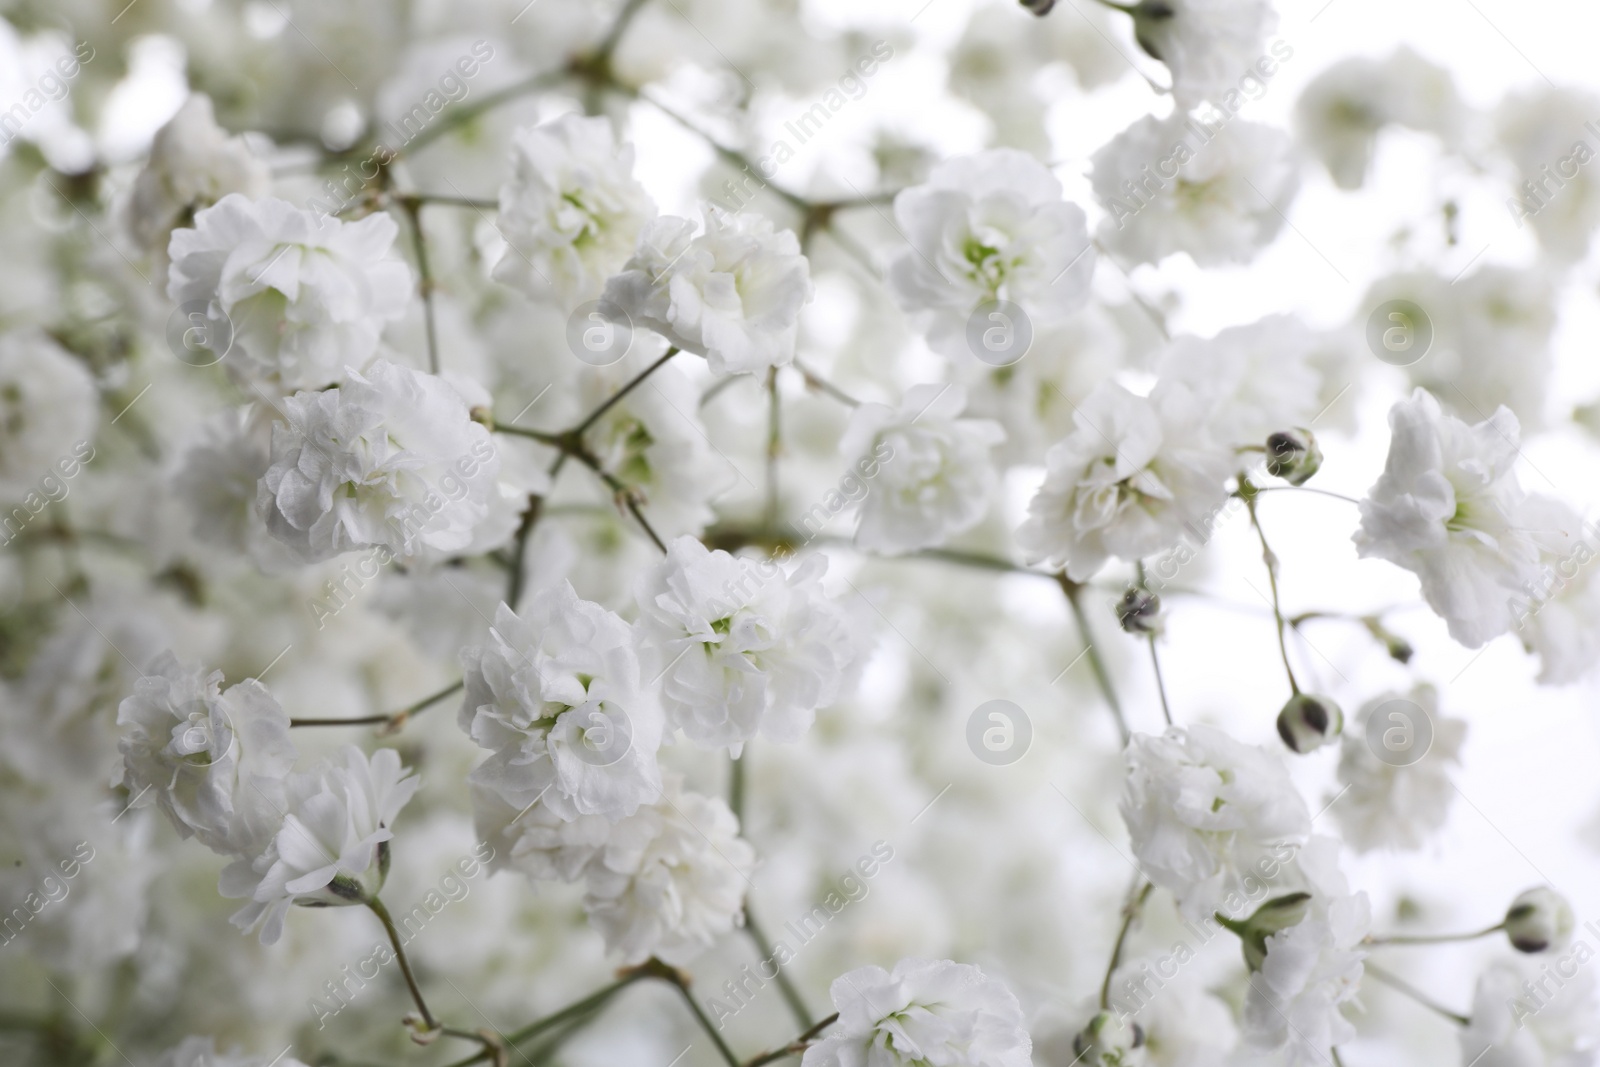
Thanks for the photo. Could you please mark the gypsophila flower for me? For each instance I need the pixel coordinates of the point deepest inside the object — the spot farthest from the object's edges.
(571, 211)
(988, 227)
(391, 457)
(934, 468)
(732, 293)
(1126, 482)
(1448, 509)
(301, 296)
(1253, 380)
(1397, 805)
(740, 648)
(193, 163)
(1520, 1018)
(1207, 45)
(48, 410)
(1204, 811)
(326, 850)
(218, 474)
(555, 695)
(1177, 185)
(213, 760)
(923, 1012)
(1557, 615)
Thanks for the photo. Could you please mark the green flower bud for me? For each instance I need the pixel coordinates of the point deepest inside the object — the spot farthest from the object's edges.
(1307, 722)
(1293, 456)
(1110, 1041)
(1279, 913)
(1539, 919)
(1139, 611)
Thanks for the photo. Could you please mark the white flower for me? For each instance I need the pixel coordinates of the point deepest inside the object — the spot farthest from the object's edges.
(1545, 132)
(48, 406)
(1253, 380)
(390, 458)
(1126, 482)
(1558, 614)
(555, 696)
(741, 649)
(1207, 45)
(1341, 112)
(988, 227)
(302, 296)
(671, 878)
(1313, 968)
(1396, 805)
(923, 1012)
(732, 294)
(326, 850)
(571, 211)
(202, 1052)
(1448, 508)
(1170, 185)
(214, 761)
(934, 470)
(193, 163)
(1184, 1025)
(1521, 1017)
(1205, 811)
(217, 475)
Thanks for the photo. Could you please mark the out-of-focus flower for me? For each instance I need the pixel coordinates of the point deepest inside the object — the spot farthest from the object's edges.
(1126, 482)
(1522, 1019)
(988, 227)
(1341, 112)
(214, 761)
(325, 851)
(732, 294)
(1208, 45)
(555, 695)
(1383, 804)
(193, 163)
(740, 648)
(1448, 508)
(1205, 811)
(1543, 131)
(924, 1011)
(391, 457)
(934, 469)
(1252, 380)
(301, 296)
(48, 407)
(217, 475)
(1173, 185)
(571, 211)
(1557, 616)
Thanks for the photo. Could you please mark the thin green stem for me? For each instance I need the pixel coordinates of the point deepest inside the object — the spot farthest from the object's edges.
(1247, 493)
(736, 787)
(594, 416)
(382, 913)
(554, 440)
(394, 720)
(795, 1047)
(705, 1023)
(1129, 914)
(419, 245)
(574, 1010)
(791, 995)
(462, 114)
(774, 445)
(1434, 939)
(818, 382)
(1074, 592)
(1401, 985)
(1161, 685)
(1306, 489)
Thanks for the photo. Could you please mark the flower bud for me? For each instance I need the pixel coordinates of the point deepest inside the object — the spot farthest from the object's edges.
(1039, 7)
(1293, 456)
(1277, 914)
(1139, 611)
(1539, 919)
(1307, 722)
(1109, 1041)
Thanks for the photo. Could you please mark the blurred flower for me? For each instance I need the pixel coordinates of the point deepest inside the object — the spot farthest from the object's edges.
(1522, 1018)
(1558, 613)
(1252, 380)
(1399, 805)
(1208, 45)
(48, 405)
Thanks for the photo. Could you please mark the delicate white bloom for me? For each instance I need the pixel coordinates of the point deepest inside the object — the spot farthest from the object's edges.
(1183, 1024)
(571, 211)
(1207, 45)
(1313, 968)
(302, 296)
(1127, 481)
(740, 648)
(988, 227)
(217, 475)
(202, 1052)
(1557, 616)
(1204, 811)
(934, 469)
(555, 695)
(214, 761)
(923, 1012)
(391, 457)
(193, 163)
(326, 850)
(1172, 185)
(1546, 133)
(1341, 112)
(1448, 509)
(671, 878)
(1253, 380)
(1521, 1018)
(48, 411)
(732, 294)
(1399, 805)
